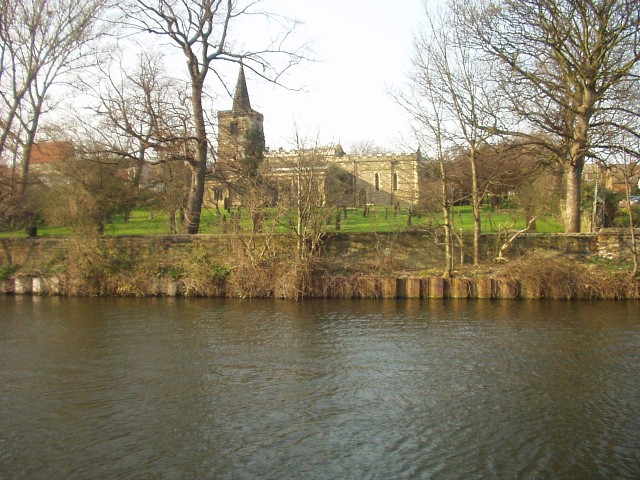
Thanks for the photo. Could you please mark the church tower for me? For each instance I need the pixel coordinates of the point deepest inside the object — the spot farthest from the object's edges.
(234, 124)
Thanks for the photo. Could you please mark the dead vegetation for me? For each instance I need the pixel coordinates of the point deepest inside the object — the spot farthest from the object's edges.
(92, 266)
(559, 277)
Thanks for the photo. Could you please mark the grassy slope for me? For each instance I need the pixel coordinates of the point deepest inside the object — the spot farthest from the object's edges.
(379, 219)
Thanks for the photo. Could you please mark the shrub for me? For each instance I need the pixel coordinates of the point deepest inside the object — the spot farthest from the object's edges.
(556, 277)
(7, 271)
(172, 272)
(622, 216)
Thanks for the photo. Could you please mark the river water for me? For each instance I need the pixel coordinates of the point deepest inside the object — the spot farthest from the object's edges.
(220, 389)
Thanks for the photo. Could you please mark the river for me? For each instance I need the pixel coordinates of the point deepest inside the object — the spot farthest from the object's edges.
(230, 389)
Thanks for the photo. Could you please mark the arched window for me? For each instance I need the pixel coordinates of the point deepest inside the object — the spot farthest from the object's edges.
(362, 198)
(376, 181)
(394, 182)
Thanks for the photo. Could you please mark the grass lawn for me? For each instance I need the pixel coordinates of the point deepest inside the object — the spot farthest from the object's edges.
(381, 219)
(378, 219)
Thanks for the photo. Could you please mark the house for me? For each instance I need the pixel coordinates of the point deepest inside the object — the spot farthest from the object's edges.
(46, 158)
(614, 177)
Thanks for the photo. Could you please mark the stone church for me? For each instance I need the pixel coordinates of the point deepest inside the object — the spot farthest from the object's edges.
(378, 179)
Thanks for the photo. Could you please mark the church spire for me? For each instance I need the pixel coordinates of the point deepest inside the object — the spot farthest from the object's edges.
(241, 101)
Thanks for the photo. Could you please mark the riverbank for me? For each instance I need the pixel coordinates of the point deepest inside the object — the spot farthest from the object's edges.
(524, 279)
(349, 266)
(386, 288)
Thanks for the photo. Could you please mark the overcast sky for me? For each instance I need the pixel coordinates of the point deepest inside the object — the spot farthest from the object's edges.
(363, 48)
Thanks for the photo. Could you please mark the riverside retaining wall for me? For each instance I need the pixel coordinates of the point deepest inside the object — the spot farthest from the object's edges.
(401, 251)
(37, 260)
(380, 288)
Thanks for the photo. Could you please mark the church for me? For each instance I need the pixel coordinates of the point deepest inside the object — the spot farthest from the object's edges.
(377, 179)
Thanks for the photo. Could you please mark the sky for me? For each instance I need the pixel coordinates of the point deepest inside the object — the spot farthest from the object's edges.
(362, 49)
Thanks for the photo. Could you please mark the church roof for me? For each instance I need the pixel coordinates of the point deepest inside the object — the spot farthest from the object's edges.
(241, 101)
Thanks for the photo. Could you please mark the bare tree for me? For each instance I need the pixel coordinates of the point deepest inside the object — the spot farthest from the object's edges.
(452, 84)
(630, 170)
(42, 41)
(425, 104)
(429, 131)
(366, 147)
(84, 189)
(145, 119)
(204, 31)
(445, 199)
(142, 113)
(302, 189)
(565, 63)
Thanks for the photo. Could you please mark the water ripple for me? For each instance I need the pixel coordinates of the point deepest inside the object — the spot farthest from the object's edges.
(282, 390)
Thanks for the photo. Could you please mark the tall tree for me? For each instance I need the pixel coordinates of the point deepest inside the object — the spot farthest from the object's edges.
(628, 167)
(203, 30)
(142, 113)
(565, 62)
(428, 113)
(456, 88)
(307, 198)
(41, 42)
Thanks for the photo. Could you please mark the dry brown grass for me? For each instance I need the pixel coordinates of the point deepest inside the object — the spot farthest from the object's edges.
(558, 277)
(93, 267)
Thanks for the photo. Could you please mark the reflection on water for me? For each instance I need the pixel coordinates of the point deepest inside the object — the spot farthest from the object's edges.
(166, 388)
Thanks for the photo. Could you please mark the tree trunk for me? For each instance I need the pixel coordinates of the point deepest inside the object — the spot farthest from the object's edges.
(173, 226)
(573, 178)
(475, 201)
(446, 211)
(137, 172)
(24, 170)
(26, 158)
(29, 142)
(199, 165)
(578, 152)
(7, 124)
(632, 231)
(530, 217)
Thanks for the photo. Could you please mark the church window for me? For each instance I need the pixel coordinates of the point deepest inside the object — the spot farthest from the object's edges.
(233, 128)
(394, 182)
(376, 181)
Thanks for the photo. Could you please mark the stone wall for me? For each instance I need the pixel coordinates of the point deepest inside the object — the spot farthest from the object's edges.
(372, 287)
(403, 251)
(41, 261)
(615, 244)
(418, 251)
(383, 179)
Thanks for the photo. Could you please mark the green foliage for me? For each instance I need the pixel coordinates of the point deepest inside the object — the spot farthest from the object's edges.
(220, 272)
(607, 206)
(86, 197)
(200, 264)
(622, 216)
(201, 273)
(117, 261)
(17, 212)
(172, 272)
(7, 271)
(96, 267)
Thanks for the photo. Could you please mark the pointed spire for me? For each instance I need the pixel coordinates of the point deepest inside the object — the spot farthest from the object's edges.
(241, 101)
